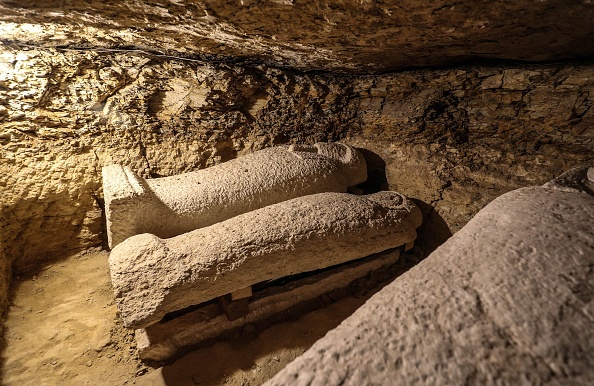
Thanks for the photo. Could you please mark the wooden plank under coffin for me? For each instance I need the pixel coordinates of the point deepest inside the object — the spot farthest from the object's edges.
(170, 338)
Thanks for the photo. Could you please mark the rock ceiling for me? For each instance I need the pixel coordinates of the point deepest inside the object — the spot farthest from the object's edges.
(361, 36)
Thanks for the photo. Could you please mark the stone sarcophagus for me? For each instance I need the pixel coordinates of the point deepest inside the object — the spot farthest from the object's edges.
(507, 299)
(152, 276)
(170, 206)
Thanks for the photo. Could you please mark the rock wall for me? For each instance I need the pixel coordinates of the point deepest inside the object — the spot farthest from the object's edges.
(459, 138)
(5, 276)
(453, 138)
(131, 83)
(67, 115)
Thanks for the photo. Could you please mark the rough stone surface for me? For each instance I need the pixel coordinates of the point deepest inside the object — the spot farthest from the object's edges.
(130, 84)
(346, 35)
(153, 276)
(174, 205)
(453, 138)
(162, 341)
(507, 300)
(5, 275)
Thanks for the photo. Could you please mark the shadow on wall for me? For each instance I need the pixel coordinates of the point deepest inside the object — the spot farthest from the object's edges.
(434, 231)
(55, 226)
(376, 173)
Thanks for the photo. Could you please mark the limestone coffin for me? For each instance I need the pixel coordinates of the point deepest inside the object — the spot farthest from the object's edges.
(170, 206)
(153, 276)
(508, 300)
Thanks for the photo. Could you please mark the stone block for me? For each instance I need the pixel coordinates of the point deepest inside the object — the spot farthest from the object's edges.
(170, 206)
(234, 309)
(152, 276)
(507, 300)
(241, 293)
(166, 340)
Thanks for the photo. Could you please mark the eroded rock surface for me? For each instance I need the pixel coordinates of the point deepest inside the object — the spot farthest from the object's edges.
(507, 300)
(169, 86)
(174, 205)
(153, 276)
(5, 275)
(347, 35)
(453, 138)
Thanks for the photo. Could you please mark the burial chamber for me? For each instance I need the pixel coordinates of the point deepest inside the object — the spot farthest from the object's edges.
(450, 105)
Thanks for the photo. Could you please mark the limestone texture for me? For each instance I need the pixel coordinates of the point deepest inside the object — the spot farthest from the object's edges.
(170, 206)
(453, 138)
(165, 340)
(153, 276)
(5, 275)
(507, 300)
(171, 86)
(355, 36)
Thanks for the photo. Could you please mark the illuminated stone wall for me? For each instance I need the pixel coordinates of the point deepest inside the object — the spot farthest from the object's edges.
(452, 138)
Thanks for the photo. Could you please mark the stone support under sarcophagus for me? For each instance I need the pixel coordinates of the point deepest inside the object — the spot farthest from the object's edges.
(170, 206)
(153, 276)
(171, 337)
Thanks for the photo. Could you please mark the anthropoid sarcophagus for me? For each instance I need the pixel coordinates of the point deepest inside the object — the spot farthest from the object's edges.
(170, 206)
(152, 276)
(505, 300)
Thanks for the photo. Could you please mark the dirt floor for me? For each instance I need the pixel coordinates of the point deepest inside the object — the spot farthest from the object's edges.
(63, 329)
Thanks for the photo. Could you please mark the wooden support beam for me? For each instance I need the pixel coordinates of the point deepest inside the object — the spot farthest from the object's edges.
(164, 340)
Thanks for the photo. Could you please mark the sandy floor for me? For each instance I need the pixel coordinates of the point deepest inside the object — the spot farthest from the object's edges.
(62, 329)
